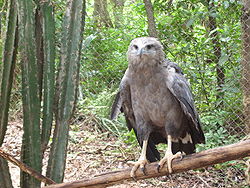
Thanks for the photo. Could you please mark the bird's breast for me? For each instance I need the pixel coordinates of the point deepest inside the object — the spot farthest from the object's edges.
(151, 99)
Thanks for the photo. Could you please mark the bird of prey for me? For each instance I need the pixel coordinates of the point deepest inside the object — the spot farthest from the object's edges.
(158, 105)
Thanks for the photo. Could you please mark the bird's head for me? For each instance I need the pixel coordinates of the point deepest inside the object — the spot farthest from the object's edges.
(147, 49)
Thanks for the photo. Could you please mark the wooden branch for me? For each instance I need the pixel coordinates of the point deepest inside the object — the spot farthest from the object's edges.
(193, 161)
(26, 168)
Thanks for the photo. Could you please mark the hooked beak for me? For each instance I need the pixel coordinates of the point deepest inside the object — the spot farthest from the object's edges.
(140, 52)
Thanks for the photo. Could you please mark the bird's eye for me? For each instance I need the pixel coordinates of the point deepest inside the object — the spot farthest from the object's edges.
(135, 47)
(149, 46)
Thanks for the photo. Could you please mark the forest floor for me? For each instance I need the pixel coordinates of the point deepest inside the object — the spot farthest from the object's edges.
(91, 152)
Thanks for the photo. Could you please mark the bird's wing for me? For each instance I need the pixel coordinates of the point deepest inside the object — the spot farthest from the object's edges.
(123, 95)
(123, 103)
(179, 87)
(116, 106)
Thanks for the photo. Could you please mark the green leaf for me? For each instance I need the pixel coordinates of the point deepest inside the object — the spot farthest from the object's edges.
(226, 4)
(88, 40)
(224, 58)
(190, 22)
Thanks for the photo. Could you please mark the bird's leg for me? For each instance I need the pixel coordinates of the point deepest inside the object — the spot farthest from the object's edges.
(169, 156)
(142, 161)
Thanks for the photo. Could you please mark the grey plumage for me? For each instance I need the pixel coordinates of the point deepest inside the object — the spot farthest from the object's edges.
(156, 99)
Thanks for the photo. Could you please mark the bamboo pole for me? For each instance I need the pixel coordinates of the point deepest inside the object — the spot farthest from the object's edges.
(193, 161)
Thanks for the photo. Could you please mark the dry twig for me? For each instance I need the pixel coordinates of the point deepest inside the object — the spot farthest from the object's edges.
(26, 168)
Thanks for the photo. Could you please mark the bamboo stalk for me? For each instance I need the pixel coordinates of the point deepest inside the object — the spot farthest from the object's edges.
(189, 162)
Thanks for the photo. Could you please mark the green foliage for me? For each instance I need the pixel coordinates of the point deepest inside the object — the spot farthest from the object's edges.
(96, 108)
(130, 138)
(188, 41)
(215, 130)
(215, 138)
(104, 60)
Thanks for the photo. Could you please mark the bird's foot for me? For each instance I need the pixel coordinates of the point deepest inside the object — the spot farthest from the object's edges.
(168, 158)
(140, 163)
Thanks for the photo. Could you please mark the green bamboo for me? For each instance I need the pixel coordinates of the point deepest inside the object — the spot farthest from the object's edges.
(49, 70)
(31, 148)
(9, 60)
(66, 86)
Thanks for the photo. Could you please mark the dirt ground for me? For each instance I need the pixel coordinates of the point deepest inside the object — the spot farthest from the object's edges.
(91, 152)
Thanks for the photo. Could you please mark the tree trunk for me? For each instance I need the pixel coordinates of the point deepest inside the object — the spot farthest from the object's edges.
(217, 54)
(66, 86)
(118, 6)
(245, 62)
(151, 20)
(101, 14)
(31, 145)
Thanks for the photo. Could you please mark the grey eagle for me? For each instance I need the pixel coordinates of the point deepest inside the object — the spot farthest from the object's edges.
(158, 105)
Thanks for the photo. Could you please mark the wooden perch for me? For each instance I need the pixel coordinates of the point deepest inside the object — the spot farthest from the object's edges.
(193, 161)
(25, 168)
